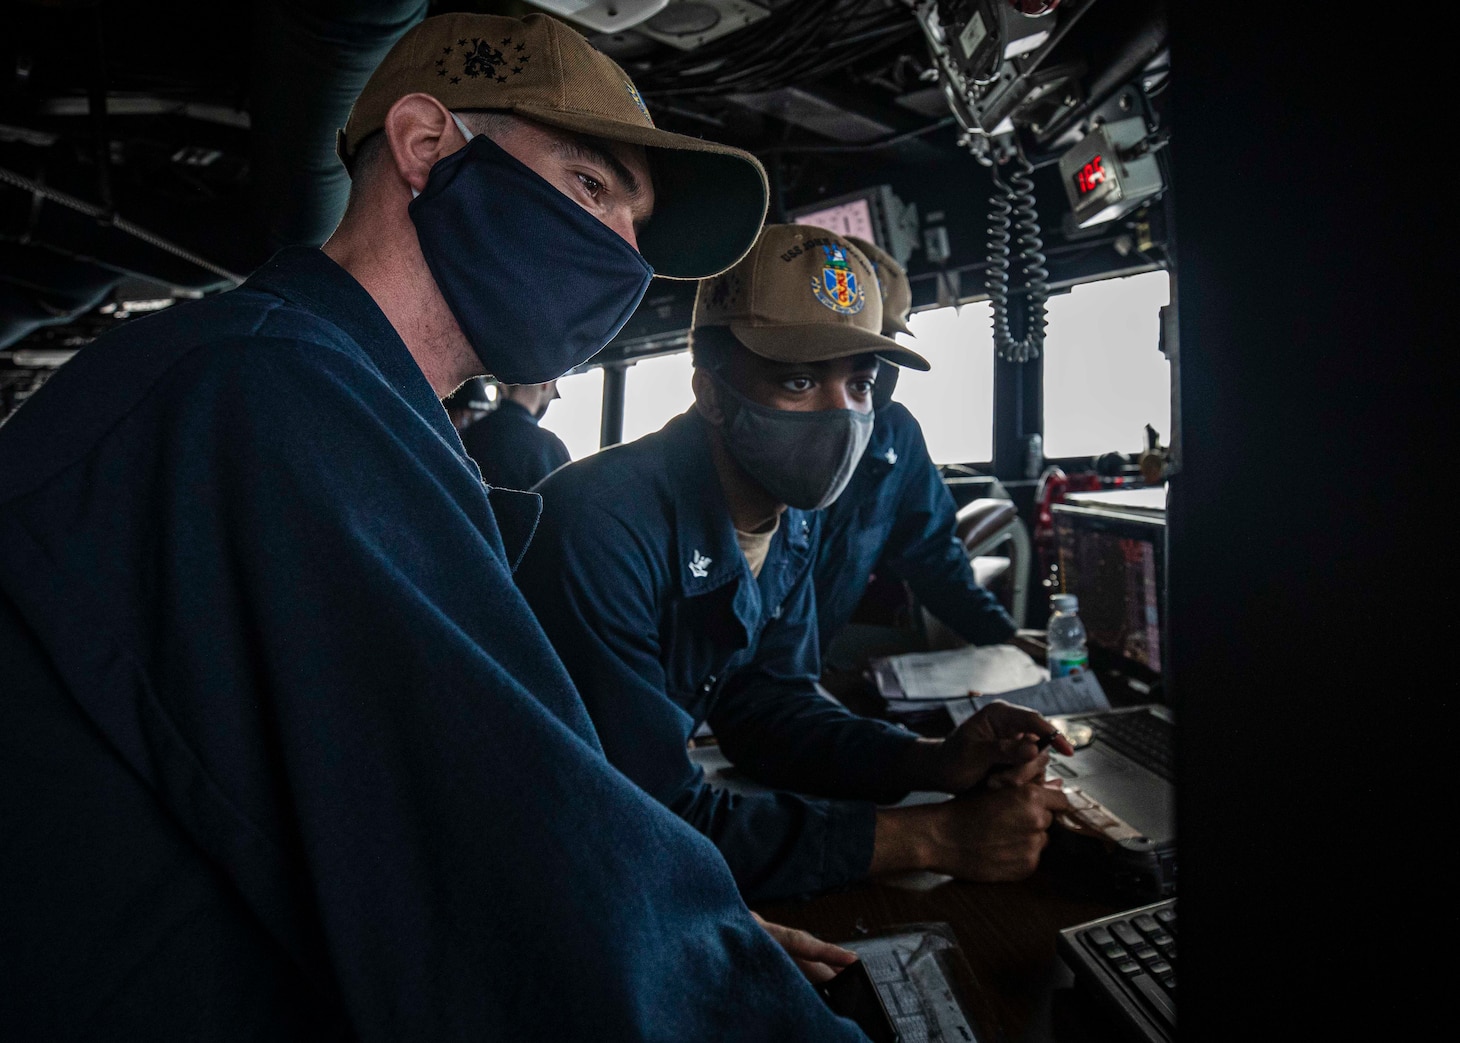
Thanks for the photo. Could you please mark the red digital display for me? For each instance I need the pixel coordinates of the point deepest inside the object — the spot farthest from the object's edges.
(1090, 175)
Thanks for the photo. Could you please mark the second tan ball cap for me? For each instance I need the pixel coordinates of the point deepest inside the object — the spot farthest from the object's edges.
(896, 290)
(802, 294)
(710, 199)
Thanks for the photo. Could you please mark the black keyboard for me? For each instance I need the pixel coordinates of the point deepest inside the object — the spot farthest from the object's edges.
(1144, 737)
(1129, 960)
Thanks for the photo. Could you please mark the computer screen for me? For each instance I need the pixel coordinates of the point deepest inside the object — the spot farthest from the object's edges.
(850, 218)
(1115, 565)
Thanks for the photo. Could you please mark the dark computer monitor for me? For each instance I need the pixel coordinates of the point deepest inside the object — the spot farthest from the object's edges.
(1115, 563)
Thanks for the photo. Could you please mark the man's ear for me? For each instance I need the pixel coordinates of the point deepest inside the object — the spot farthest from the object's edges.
(420, 132)
(707, 397)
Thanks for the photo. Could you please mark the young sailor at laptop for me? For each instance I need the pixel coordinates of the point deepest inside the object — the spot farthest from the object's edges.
(895, 516)
(673, 575)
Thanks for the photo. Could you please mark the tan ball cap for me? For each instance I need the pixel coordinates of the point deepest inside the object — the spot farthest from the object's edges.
(710, 199)
(892, 280)
(802, 294)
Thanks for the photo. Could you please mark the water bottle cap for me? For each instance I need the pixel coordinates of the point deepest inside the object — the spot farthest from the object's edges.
(1064, 602)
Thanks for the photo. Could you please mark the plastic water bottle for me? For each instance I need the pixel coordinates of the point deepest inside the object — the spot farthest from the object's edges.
(1066, 635)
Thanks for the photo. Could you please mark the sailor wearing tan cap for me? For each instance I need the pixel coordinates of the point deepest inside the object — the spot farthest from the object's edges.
(295, 761)
(896, 517)
(674, 576)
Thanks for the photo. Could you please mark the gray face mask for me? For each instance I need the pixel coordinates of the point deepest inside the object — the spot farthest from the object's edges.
(802, 459)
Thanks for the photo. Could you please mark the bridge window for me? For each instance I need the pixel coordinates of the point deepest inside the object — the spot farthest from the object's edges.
(954, 402)
(577, 416)
(1105, 378)
(656, 390)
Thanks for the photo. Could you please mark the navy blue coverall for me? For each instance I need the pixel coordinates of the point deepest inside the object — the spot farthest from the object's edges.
(512, 451)
(638, 580)
(896, 518)
(284, 754)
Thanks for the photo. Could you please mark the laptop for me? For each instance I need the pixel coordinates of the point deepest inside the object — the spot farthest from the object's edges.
(1121, 780)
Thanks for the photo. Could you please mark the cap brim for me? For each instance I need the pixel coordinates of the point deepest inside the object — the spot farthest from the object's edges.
(817, 342)
(709, 199)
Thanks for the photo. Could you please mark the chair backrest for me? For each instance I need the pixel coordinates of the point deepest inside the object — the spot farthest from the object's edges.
(978, 521)
(889, 619)
(984, 524)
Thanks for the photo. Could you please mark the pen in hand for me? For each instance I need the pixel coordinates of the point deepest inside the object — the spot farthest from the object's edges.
(1040, 745)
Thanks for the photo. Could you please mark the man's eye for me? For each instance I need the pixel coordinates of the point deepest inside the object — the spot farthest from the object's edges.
(593, 185)
(797, 384)
(863, 387)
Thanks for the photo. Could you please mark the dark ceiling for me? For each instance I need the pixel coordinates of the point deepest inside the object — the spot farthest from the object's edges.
(215, 143)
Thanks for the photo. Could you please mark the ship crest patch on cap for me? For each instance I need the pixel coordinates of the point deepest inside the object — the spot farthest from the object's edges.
(479, 58)
(838, 286)
(639, 101)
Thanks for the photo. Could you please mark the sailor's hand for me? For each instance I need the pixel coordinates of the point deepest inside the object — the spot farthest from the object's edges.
(819, 961)
(994, 834)
(999, 745)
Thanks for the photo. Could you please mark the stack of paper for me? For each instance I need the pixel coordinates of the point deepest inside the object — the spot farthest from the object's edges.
(956, 673)
(965, 679)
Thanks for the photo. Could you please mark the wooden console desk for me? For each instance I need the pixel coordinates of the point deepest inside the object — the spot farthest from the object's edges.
(1022, 992)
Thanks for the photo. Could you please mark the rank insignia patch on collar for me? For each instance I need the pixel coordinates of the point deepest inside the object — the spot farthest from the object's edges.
(838, 287)
(699, 566)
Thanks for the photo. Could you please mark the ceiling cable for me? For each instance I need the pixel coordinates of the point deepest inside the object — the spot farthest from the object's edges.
(106, 217)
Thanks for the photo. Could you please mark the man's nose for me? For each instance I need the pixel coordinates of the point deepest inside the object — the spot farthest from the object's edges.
(835, 395)
(622, 222)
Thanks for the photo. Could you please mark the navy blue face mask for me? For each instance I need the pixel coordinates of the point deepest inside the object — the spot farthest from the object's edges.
(536, 283)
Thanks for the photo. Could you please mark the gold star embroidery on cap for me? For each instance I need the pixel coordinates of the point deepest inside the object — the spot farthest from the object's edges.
(724, 291)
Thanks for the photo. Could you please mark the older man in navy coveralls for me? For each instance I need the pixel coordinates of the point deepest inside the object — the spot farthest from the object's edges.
(896, 517)
(283, 753)
(674, 576)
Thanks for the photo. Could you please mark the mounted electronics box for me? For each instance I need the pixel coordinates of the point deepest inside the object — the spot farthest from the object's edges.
(1110, 172)
(985, 34)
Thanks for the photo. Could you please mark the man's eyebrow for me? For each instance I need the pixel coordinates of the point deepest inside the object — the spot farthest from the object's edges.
(593, 148)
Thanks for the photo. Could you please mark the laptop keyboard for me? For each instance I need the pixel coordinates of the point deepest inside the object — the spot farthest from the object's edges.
(1144, 737)
(1130, 960)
